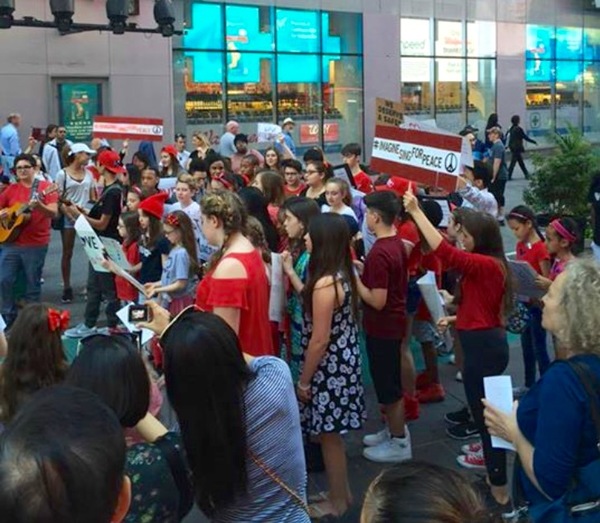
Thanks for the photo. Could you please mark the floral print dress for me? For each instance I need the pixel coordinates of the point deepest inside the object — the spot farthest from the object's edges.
(296, 312)
(337, 402)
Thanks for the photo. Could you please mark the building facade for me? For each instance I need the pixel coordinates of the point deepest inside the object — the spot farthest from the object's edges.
(321, 62)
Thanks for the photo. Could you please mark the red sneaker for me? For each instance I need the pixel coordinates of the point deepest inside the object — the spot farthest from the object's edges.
(411, 407)
(423, 381)
(472, 461)
(434, 393)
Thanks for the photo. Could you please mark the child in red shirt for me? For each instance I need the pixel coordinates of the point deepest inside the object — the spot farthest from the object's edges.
(129, 230)
(531, 248)
(351, 155)
(292, 172)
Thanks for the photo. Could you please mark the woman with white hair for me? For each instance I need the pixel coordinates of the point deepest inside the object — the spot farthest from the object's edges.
(556, 427)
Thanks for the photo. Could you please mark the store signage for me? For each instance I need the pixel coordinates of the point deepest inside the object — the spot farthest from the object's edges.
(388, 112)
(310, 132)
(128, 128)
(78, 104)
(426, 157)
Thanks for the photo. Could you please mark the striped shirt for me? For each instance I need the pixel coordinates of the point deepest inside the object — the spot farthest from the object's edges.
(274, 437)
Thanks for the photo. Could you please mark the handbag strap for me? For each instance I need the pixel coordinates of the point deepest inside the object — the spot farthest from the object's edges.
(590, 384)
(273, 475)
(179, 473)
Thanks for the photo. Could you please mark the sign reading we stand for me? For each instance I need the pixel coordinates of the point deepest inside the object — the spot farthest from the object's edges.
(426, 157)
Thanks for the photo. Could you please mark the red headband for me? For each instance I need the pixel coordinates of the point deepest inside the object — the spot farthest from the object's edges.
(562, 231)
(172, 221)
(58, 320)
(519, 216)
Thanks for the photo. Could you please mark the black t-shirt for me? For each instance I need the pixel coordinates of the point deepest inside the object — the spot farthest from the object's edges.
(321, 199)
(151, 259)
(594, 199)
(111, 203)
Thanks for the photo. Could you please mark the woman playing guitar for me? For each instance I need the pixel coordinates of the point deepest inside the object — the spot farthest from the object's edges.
(27, 251)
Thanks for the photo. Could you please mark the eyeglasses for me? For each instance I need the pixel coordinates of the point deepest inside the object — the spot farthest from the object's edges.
(23, 168)
(312, 172)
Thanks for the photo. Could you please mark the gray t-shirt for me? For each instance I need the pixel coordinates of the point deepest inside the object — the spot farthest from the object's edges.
(274, 438)
(497, 152)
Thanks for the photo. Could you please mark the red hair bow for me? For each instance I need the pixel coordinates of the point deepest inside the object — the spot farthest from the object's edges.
(58, 320)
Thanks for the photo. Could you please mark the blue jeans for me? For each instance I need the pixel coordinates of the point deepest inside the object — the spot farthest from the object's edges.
(533, 343)
(30, 260)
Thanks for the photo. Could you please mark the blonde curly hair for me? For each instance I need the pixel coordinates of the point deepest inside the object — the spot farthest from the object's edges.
(580, 301)
(227, 207)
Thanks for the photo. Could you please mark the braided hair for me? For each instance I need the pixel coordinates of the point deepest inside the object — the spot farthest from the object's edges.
(227, 207)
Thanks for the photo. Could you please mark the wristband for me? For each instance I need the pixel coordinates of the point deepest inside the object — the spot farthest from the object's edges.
(303, 388)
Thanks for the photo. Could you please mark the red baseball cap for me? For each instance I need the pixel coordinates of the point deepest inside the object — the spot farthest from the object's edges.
(170, 150)
(111, 161)
(398, 185)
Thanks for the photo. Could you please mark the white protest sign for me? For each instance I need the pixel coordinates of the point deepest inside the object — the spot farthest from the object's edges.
(268, 132)
(92, 245)
(499, 393)
(115, 252)
(167, 184)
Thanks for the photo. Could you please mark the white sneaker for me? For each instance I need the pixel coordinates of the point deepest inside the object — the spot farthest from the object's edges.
(81, 331)
(372, 440)
(459, 376)
(394, 450)
(472, 448)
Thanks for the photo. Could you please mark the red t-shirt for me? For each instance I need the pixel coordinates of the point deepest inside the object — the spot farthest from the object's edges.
(409, 233)
(250, 295)
(363, 182)
(35, 232)
(385, 268)
(126, 291)
(429, 262)
(533, 254)
(289, 192)
(482, 283)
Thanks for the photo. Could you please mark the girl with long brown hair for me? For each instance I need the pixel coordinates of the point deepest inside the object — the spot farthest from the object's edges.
(330, 384)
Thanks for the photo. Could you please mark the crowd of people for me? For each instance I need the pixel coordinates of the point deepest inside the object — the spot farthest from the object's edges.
(262, 392)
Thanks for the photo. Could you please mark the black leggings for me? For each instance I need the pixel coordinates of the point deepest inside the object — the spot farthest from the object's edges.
(485, 354)
(517, 157)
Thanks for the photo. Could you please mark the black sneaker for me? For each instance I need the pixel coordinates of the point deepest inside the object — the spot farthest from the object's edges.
(67, 296)
(458, 417)
(463, 432)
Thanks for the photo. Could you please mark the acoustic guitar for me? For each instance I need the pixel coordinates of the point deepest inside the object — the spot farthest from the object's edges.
(17, 215)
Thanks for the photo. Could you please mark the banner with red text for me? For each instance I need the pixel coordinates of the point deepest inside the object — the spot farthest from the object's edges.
(128, 128)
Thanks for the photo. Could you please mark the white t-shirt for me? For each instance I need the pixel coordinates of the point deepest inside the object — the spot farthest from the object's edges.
(344, 210)
(75, 191)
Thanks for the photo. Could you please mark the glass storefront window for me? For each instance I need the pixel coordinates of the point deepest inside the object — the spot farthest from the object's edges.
(591, 100)
(250, 88)
(449, 96)
(342, 33)
(204, 28)
(449, 39)
(481, 92)
(249, 28)
(342, 95)
(298, 31)
(415, 37)
(481, 39)
(262, 64)
(416, 74)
